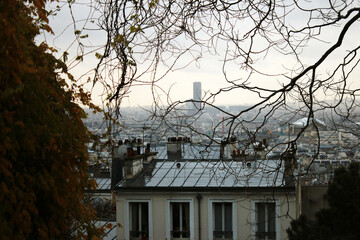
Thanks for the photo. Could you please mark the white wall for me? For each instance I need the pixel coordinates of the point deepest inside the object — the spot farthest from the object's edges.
(244, 202)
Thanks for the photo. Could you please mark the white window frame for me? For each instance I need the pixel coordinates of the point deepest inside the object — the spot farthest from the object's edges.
(277, 218)
(211, 216)
(191, 216)
(127, 217)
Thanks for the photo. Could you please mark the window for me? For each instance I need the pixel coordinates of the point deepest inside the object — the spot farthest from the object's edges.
(222, 220)
(265, 220)
(139, 220)
(180, 220)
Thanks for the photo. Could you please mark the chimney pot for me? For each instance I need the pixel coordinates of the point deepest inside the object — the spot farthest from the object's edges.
(147, 150)
(129, 151)
(138, 150)
(174, 149)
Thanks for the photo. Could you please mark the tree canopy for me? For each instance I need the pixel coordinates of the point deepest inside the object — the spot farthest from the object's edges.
(342, 219)
(43, 156)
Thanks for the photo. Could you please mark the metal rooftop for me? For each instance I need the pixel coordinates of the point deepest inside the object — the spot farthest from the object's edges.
(103, 183)
(208, 174)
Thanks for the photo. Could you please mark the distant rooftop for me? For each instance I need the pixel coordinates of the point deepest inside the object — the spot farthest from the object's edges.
(103, 183)
(302, 122)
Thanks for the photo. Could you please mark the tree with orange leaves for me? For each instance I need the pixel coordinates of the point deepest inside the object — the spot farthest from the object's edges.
(43, 156)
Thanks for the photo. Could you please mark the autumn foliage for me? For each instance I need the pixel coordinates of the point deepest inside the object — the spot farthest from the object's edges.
(43, 157)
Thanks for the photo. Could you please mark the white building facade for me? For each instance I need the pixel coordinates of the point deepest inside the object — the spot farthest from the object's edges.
(198, 199)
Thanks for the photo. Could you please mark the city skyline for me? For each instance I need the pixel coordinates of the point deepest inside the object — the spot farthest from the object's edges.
(208, 67)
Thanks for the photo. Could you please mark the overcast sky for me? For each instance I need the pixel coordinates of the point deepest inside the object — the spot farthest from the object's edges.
(208, 70)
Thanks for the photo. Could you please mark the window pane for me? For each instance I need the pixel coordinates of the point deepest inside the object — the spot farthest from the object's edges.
(228, 220)
(185, 220)
(135, 226)
(271, 221)
(260, 220)
(145, 219)
(218, 220)
(176, 220)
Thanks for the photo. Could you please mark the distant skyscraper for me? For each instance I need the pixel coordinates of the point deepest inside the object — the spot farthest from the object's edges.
(197, 95)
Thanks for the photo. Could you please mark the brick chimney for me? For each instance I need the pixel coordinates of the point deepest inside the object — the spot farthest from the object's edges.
(227, 147)
(118, 160)
(289, 158)
(128, 160)
(174, 147)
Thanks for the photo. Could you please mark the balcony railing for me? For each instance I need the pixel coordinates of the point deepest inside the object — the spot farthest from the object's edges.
(139, 235)
(266, 235)
(180, 234)
(223, 235)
